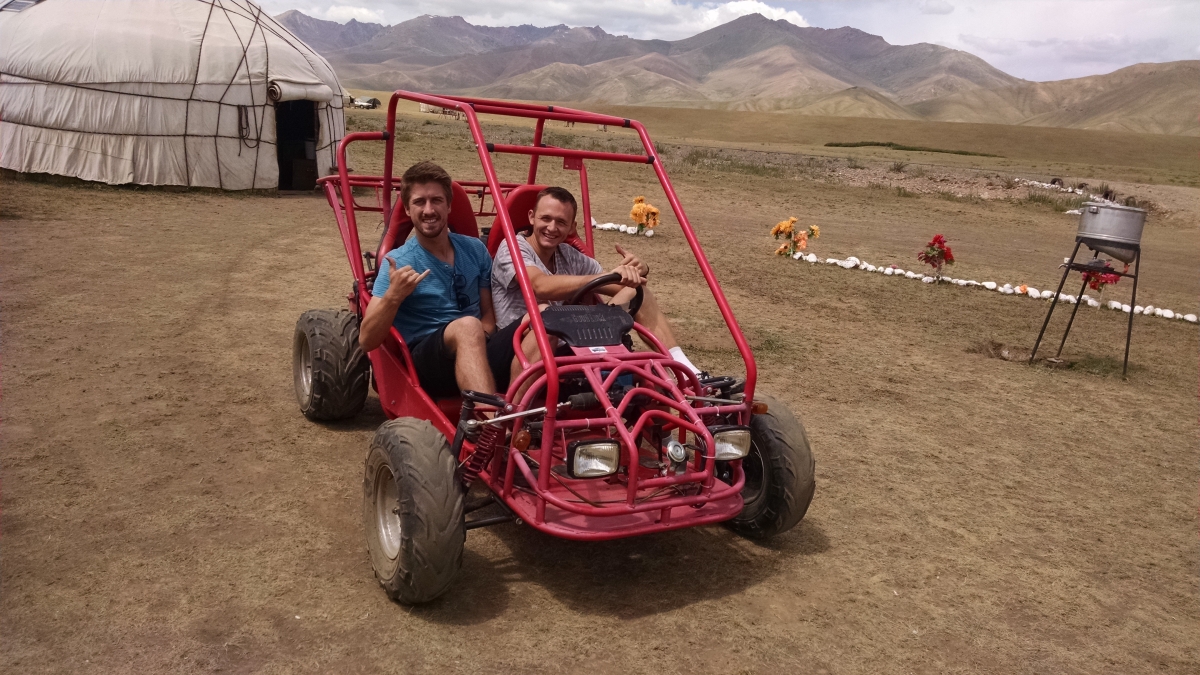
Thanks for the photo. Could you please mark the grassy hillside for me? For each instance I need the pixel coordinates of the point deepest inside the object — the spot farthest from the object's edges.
(1029, 150)
(1149, 97)
(1134, 156)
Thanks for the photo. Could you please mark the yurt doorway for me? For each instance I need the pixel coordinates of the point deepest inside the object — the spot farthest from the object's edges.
(296, 130)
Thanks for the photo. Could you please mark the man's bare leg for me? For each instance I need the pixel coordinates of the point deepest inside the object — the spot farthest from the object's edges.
(651, 316)
(466, 340)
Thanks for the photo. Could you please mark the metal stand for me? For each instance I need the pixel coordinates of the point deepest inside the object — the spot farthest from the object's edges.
(1073, 266)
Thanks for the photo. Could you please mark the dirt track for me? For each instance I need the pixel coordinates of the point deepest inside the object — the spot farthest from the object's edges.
(167, 509)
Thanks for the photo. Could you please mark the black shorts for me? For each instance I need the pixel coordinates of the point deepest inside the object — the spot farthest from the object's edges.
(500, 351)
(434, 362)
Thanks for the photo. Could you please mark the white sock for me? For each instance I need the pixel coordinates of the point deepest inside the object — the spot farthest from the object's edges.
(678, 355)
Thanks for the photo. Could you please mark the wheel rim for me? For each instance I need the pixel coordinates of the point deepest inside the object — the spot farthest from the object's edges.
(387, 512)
(302, 366)
(755, 471)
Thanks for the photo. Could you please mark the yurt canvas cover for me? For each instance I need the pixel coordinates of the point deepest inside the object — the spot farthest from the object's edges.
(164, 92)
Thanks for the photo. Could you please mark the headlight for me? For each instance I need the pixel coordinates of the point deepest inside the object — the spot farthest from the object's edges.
(593, 458)
(732, 442)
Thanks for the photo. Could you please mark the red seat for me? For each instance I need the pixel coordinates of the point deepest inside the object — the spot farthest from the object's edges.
(461, 220)
(520, 202)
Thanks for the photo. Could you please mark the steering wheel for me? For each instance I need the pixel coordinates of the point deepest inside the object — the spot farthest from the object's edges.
(603, 280)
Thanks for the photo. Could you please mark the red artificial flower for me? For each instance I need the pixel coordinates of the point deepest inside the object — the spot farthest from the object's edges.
(936, 253)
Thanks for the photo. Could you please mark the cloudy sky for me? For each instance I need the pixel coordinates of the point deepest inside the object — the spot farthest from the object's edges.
(1033, 39)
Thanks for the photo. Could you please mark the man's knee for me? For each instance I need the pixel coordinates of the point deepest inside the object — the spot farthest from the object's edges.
(467, 331)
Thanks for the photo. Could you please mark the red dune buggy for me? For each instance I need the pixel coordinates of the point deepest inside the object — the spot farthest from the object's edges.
(604, 442)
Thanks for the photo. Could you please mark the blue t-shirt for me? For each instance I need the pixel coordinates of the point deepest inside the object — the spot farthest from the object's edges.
(448, 293)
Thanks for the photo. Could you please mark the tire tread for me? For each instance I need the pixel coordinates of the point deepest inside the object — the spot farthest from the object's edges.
(790, 473)
(433, 531)
(340, 369)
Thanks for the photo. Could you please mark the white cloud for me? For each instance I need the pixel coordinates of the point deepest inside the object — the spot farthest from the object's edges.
(935, 7)
(1032, 39)
(1073, 57)
(343, 13)
(985, 46)
(713, 14)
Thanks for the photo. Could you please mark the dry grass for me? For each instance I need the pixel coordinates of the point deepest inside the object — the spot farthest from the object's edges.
(1116, 155)
(165, 507)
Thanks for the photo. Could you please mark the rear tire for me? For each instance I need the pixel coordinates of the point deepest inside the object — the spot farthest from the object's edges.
(413, 511)
(780, 479)
(331, 372)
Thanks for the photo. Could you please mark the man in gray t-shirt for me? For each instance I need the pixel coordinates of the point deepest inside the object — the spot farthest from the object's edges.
(557, 270)
(567, 260)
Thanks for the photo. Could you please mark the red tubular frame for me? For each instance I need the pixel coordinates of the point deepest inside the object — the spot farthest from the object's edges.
(604, 515)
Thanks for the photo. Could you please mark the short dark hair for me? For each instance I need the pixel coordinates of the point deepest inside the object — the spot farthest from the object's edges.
(424, 172)
(560, 195)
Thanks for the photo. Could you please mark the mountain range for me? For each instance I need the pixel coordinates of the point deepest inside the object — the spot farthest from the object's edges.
(750, 63)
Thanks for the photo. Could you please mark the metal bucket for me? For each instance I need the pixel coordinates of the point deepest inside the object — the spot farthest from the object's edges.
(1111, 223)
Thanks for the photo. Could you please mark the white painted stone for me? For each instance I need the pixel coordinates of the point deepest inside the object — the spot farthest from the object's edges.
(990, 285)
(1158, 311)
(1138, 309)
(1168, 314)
(1191, 318)
(1126, 309)
(928, 280)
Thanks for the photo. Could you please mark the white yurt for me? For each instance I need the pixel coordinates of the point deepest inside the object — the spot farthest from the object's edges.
(208, 93)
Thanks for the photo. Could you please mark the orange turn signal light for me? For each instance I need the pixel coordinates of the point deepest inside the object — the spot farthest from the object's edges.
(758, 408)
(521, 440)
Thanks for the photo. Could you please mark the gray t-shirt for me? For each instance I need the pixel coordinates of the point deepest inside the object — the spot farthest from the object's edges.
(506, 292)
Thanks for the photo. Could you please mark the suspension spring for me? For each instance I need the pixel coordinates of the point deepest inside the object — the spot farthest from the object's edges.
(490, 438)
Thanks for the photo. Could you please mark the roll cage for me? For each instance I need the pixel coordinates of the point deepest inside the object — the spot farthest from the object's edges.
(640, 398)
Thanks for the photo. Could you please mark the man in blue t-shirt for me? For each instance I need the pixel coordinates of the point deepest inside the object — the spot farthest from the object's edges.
(436, 290)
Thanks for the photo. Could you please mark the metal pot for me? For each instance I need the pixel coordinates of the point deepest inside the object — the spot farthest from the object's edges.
(1101, 223)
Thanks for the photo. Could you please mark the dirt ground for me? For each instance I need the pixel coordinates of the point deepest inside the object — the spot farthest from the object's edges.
(164, 507)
